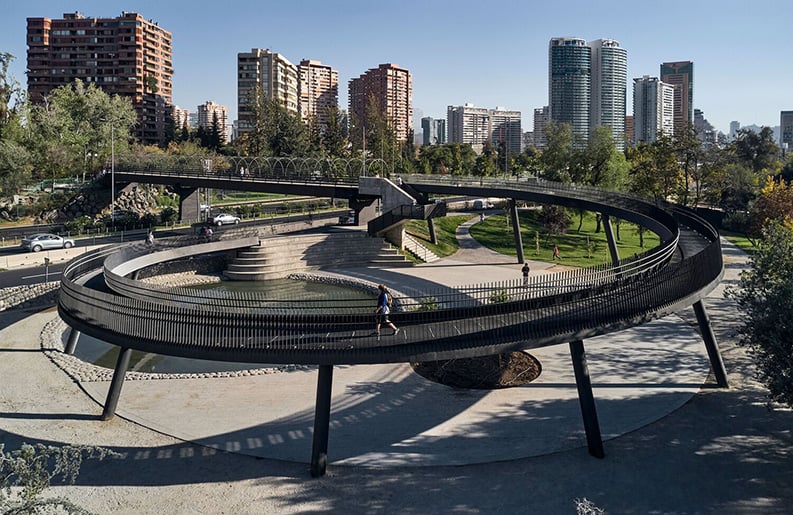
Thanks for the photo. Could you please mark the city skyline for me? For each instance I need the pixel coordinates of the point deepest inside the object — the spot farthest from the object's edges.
(505, 65)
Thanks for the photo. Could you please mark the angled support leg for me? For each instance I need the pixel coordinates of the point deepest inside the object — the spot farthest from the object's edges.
(319, 450)
(586, 399)
(615, 255)
(714, 354)
(122, 364)
(71, 343)
(513, 212)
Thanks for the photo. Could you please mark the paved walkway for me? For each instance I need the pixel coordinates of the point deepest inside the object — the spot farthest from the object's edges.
(674, 444)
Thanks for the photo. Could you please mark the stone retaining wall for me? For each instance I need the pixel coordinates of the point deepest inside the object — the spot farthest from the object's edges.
(29, 296)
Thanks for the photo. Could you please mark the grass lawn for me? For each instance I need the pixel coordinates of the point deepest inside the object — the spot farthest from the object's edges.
(585, 248)
(739, 240)
(445, 229)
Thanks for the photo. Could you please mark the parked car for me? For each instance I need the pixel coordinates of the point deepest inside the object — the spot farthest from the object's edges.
(225, 219)
(46, 241)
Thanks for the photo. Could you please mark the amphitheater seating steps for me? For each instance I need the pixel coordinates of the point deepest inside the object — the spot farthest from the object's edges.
(277, 257)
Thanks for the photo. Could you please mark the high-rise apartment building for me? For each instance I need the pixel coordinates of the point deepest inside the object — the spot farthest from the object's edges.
(127, 56)
(541, 118)
(505, 127)
(786, 130)
(569, 84)
(318, 90)
(735, 125)
(653, 109)
(261, 73)
(629, 139)
(680, 74)
(180, 117)
(208, 111)
(609, 88)
(433, 131)
(391, 88)
(587, 85)
(477, 125)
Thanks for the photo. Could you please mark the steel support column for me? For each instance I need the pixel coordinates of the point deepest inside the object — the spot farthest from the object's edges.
(122, 364)
(714, 354)
(433, 233)
(71, 343)
(615, 256)
(513, 211)
(586, 399)
(319, 450)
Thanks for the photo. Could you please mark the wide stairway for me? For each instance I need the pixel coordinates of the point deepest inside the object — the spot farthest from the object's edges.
(278, 257)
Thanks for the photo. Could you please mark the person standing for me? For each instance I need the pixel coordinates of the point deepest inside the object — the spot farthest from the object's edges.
(383, 309)
(555, 253)
(399, 181)
(481, 217)
(150, 237)
(525, 271)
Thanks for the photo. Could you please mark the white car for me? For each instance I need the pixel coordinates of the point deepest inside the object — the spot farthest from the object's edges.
(45, 241)
(225, 219)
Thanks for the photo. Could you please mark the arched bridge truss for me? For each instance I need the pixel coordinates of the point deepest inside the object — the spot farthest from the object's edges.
(101, 297)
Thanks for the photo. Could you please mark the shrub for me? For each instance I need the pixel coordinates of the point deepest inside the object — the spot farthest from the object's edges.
(79, 225)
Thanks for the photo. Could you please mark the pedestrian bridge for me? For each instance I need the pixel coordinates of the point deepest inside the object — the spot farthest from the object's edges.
(101, 297)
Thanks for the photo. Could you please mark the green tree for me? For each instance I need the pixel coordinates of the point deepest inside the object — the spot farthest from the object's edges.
(688, 149)
(334, 134)
(765, 294)
(757, 151)
(71, 122)
(557, 157)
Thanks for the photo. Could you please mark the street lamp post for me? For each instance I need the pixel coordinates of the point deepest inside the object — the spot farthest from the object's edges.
(112, 177)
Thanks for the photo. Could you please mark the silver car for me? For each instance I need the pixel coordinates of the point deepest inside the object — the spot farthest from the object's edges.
(45, 241)
(225, 219)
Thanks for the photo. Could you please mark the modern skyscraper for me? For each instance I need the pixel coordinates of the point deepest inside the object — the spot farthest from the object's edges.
(609, 87)
(206, 116)
(391, 88)
(541, 119)
(127, 56)
(569, 84)
(734, 126)
(318, 89)
(261, 72)
(433, 131)
(680, 74)
(786, 130)
(653, 109)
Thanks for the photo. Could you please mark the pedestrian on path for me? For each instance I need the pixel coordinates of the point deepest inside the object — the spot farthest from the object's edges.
(556, 253)
(150, 237)
(481, 217)
(383, 309)
(525, 271)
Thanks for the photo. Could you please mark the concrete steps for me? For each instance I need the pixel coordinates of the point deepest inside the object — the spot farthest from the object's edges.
(278, 257)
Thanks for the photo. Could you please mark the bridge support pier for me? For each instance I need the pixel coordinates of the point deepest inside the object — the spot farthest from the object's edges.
(615, 255)
(71, 343)
(714, 354)
(586, 399)
(319, 450)
(122, 364)
(189, 204)
(513, 212)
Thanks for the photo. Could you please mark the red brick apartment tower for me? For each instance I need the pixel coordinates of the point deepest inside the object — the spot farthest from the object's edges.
(127, 55)
(392, 88)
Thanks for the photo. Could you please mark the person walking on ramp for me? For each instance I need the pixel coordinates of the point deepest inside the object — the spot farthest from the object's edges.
(383, 309)
(525, 272)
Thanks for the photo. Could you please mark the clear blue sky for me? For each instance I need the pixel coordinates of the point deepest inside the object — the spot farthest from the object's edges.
(486, 53)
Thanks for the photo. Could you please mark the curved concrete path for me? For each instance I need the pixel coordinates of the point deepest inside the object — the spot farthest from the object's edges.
(386, 415)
